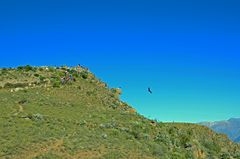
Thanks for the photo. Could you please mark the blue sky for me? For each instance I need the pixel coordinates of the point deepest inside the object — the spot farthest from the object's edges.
(187, 51)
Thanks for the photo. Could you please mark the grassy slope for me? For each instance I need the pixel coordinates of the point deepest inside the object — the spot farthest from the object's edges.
(85, 119)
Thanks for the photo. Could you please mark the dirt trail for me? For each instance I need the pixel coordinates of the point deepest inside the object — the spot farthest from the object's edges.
(97, 153)
(40, 149)
(56, 146)
(20, 108)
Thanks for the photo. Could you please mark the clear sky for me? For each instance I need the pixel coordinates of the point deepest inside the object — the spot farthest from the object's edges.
(187, 51)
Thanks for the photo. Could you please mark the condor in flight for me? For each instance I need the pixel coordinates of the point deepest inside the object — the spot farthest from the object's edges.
(149, 90)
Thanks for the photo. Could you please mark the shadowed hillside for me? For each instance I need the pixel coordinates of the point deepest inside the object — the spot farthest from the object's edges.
(44, 117)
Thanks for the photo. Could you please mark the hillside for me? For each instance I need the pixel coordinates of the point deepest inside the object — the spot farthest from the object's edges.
(42, 118)
(229, 127)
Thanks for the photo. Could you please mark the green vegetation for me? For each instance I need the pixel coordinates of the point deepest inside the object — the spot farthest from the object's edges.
(84, 75)
(41, 118)
(26, 68)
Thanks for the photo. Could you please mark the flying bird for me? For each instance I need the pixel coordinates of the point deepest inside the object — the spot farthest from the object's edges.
(149, 90)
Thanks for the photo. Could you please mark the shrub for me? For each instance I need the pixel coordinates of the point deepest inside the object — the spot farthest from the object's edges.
(75, 74)
(63, 68)
(51, 69)
(54, 78)
(36, 75)
(212, 147)
(116, 92)
(173, 130)
(226, 155)
(184, 139)
(56, 84)
(40, 69)
(114, 106)
(19, 68)
(237, 155)
(28, 68)
(4, 71)
(162, 138)
(84, 75)
(60, 74)
(15, 85)
(89, 93)
(41, 78)
(157, 149)
(177, 155)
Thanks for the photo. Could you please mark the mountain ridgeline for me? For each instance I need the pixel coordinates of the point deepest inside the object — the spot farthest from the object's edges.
(229, 127)
(62, 112)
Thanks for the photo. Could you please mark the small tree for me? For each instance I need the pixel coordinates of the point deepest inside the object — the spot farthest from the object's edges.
(28, 68)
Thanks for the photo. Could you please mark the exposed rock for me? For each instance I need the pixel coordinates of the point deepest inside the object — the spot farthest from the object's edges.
(102, 84)
(104, 136)
(116, 92)
(18, 89)
(131, 110)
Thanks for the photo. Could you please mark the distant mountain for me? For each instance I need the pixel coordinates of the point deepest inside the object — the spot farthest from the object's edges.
(237, 139)
(229, 127)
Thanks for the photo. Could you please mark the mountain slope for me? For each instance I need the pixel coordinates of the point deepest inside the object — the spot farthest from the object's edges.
(237, 139)
(229, 127)
(41, 118)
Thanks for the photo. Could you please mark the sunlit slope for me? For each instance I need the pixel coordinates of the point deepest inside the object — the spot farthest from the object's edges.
(41, 118)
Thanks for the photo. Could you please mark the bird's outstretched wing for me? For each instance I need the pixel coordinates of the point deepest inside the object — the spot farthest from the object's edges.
(149, 90)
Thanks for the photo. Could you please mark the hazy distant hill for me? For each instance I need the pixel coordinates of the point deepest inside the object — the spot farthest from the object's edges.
(41, 118)
(229, 127)
(237, 139)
